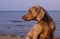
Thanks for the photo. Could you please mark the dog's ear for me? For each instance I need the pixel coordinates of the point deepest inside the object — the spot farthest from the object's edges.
(41, 14)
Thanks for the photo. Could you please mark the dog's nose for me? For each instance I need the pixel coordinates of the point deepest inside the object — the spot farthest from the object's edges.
(24, 18)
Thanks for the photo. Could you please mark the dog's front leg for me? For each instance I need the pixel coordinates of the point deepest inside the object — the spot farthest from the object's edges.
(34, 32)
(28, 37)
(37, 31)
(35, 35)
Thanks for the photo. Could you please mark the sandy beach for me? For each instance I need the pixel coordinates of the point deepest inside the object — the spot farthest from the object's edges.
(16, 37)
(11, 37)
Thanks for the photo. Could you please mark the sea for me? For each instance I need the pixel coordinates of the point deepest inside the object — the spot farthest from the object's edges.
(11, 22)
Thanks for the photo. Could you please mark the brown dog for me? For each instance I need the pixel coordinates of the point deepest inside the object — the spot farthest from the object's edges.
(45, 27)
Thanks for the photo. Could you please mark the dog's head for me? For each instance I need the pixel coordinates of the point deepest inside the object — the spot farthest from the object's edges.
(34, 13)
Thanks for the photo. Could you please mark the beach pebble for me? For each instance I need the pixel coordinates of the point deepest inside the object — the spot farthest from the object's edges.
(18, 36)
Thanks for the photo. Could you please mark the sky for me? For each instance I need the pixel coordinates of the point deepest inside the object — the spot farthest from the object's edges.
(19, 5)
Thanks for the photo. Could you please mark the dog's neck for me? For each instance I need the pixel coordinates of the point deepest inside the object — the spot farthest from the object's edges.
(46, 19)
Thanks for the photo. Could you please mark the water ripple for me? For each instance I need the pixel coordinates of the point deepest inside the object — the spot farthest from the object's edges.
(16, 21)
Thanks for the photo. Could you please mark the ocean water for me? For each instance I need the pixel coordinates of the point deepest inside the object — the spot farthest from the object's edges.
(11, 22)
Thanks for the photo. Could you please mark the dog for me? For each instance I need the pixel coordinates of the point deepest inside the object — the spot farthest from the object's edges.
(45, 26)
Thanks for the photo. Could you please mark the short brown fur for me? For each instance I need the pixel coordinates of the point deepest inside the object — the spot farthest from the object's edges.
(45, 27)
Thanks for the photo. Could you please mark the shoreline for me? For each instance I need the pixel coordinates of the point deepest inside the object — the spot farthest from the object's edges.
(12, 36)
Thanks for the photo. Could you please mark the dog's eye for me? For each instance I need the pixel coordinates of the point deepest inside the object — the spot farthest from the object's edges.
(29, 11)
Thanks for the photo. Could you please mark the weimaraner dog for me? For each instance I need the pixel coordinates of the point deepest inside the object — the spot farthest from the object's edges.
(45, 26)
